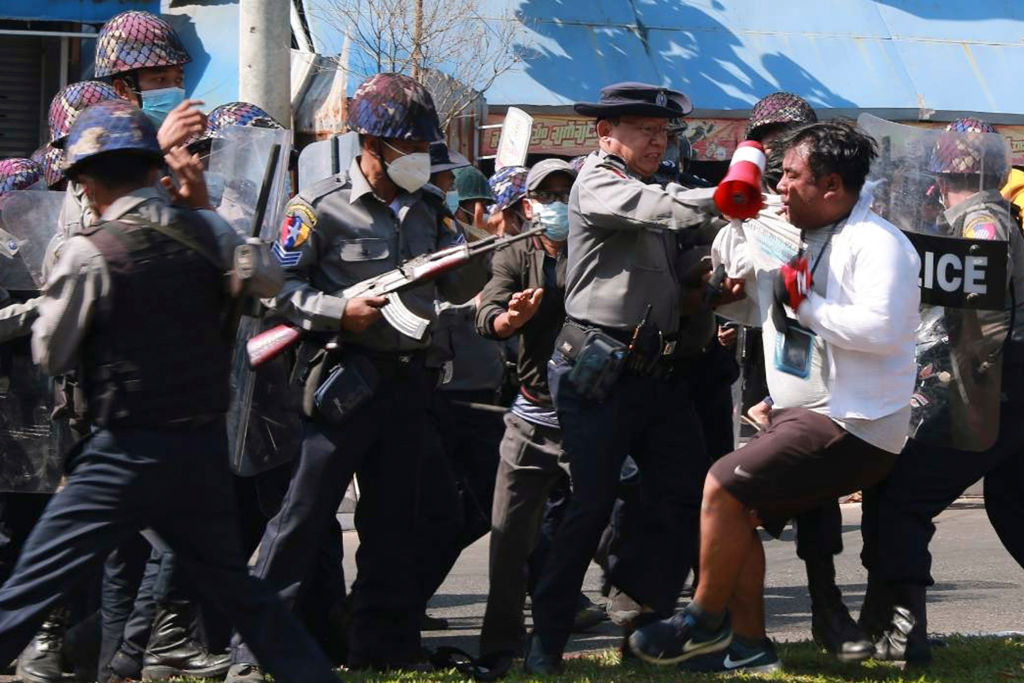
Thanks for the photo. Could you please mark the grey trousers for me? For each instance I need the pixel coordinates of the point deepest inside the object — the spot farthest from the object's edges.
(531, 463)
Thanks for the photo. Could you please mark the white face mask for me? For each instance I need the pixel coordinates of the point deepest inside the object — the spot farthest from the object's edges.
(411, 171)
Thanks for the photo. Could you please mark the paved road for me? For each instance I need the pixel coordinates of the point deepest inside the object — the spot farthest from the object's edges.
(978, 586)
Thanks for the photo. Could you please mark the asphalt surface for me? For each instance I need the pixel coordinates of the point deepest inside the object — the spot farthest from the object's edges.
(978, 585)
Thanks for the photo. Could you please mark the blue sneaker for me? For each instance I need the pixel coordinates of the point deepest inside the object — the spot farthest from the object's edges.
(677, 639)
(758, 659)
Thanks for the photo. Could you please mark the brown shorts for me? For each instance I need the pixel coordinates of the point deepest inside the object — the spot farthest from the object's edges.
(802, 460)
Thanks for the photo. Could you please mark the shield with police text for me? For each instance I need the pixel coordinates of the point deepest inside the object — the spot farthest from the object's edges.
(29, 220)
(238, 165)
(319, 160)
(941, 187)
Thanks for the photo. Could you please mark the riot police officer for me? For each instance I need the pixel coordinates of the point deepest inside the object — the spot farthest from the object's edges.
(979, 438)
(614, 374)
(157, 390)
(342, 230)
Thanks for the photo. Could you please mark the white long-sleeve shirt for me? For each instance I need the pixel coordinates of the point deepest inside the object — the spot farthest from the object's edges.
(867, 315)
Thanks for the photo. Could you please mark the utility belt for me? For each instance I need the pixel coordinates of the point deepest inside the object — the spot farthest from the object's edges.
(337, 381)
(601, 355)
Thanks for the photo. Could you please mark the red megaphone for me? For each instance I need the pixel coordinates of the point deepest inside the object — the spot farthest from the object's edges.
(739, 193)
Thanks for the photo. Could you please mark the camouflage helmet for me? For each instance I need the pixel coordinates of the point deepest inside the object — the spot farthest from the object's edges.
(779, 108)
(50, 159)
(67, 104)
(394, 106)
(231, 114)
(966, 148)
(110, 126)
(18, 174)
(137, 40)
(508, 186)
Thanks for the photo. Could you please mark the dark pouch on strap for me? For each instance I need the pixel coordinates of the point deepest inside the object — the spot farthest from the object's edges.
(349, 384)
(599, 360)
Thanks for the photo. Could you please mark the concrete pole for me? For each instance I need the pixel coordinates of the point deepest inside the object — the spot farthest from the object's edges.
(264, 57)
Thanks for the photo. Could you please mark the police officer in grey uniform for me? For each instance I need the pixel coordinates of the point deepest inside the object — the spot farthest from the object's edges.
(614, 376)
(350, 227)
(932, 473)
(137, 303)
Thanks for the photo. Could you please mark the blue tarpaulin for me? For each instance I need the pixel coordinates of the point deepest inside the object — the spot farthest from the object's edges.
(85, 11)
(924, 57)
(905, 58)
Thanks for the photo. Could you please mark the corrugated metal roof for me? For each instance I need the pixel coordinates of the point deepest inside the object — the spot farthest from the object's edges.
(920, 56)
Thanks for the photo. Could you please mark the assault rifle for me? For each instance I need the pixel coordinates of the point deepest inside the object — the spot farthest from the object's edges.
(414, 272)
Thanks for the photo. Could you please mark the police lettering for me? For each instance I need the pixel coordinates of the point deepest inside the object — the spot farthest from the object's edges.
(954, 273)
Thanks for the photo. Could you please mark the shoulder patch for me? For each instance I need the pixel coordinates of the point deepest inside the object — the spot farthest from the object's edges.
(981, 226)
(299, 221)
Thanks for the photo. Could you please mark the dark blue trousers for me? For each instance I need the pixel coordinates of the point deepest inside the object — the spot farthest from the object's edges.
(175, 481)
(382, 442)
(654, 421)
(898, 514)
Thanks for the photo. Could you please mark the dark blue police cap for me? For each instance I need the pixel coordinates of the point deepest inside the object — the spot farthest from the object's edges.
(636, 99)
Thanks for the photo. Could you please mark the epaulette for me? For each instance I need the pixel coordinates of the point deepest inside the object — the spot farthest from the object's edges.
(324, 187)
(614, 164)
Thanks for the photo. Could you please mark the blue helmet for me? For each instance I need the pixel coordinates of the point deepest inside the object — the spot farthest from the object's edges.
(110, 126)
(394, 106)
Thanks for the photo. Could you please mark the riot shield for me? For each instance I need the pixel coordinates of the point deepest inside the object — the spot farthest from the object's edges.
(30, 220)
(324, 158)
(941, 187)
(263, 427)
(238, 161)
(31, 443)
(263, 419)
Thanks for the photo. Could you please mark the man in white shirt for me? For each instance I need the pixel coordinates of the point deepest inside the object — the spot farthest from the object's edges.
(841, 374)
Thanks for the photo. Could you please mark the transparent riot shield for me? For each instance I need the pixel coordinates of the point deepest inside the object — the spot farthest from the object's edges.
(261, 431)
(324, 158)
(941, 187)
(238, 163)
(29, 220)
(31, 443)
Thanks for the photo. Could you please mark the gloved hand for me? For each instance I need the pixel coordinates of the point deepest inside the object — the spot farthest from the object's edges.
(793, 283)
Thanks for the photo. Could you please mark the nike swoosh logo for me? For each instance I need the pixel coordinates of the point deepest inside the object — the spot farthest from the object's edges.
(740, 472)
(731, 663)
(690, 645)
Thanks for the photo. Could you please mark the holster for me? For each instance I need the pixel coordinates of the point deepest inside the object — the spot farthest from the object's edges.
(336, 385)
(598, 357)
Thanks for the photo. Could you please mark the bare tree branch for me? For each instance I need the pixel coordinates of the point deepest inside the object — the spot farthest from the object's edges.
(448, 45)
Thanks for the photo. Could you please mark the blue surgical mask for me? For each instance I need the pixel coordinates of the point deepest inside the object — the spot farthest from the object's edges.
(157, 104)
(452, 200)
(554, 218)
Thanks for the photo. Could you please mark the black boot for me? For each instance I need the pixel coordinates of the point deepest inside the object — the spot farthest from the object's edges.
(41, 661)
(174, 652)
(831, 624)
(906, 639)
(876, 612)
